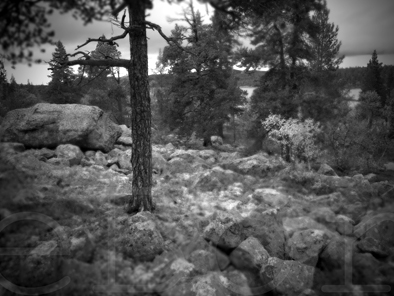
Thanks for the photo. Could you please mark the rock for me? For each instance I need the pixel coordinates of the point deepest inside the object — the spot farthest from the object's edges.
(271, 197)
(44, 154)
(223, 261)
(189, 156)
(125, 141)
(287, 277)
(249, 255)
(126, 132)
(379, 227)
(10, 147)
(291, 225)
(179, 166)
(334, 254)
(60, 162)
(207, 154)
(124, 160)
(239, 283)
(371, 177)
(325, 216)
(326, 170)
(203, 261)
(306, 245)
(170, 146)
(335, 182)
(87, 162)
(42, 264)
(216, 140)
(143, 241)
(100, 159)
(224, 231)
(389, 166)
(159, 164)
(214, 179)
(69, 152)
(257, 164)
(90, 154)
(267, 228)
(84, 278)
(344, 225)
(211, 284)
(82, 247)
(371, 245)
(207, 181)
(50, 125)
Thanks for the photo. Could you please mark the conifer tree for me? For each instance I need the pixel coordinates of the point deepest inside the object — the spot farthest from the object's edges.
(326, 45)
(61, 89)
(61, 73)
(373, 80)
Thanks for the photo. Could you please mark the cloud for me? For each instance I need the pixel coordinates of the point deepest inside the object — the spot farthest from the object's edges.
(364, 25)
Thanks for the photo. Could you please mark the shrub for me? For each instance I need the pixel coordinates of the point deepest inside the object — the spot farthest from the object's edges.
(353, 144)
(298, 138)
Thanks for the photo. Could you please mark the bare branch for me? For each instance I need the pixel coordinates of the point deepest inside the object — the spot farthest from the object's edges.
(170, 41)
(110, 41)
(86, 55)
(100, 63)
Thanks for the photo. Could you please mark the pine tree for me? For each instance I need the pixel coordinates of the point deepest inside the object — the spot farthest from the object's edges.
(61, 89)
(373, 80)
(60, 73)
(202, 96)
(326, 46)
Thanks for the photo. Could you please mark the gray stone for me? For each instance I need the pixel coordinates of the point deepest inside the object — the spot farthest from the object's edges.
(126, 132)
(287, 277)
(125, 141)
(344, 225)
(10, 147)
(100, 158)
(249, 255)
(326, 170)
(224, 231)
(306, 245)
(70, 152)
(124, 160)
(271, 197)
(143, 242)
(216, 140)
(49, 125)
(379, 227)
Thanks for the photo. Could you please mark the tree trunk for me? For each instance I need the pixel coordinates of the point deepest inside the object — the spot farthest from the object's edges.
(120, 109)
(220, 129)
(141, 153)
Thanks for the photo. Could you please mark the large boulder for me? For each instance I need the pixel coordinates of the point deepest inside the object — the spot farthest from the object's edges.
(49, 125)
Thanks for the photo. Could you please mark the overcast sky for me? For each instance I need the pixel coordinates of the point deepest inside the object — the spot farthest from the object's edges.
(364, 25)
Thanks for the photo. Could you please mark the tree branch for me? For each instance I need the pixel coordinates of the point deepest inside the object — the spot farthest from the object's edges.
(110, 41)
(100, 63)
(170, 41)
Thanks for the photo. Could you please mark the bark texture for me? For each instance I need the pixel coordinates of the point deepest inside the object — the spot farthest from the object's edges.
(141, 156)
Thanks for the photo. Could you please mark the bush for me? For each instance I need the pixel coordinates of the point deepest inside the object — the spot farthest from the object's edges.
(353, 144)
(298, 138)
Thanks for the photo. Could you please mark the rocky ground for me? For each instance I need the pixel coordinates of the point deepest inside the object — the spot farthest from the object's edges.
(223, 225)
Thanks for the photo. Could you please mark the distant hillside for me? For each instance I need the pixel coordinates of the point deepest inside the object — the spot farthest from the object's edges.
(245, 79)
